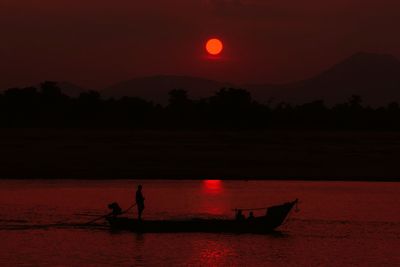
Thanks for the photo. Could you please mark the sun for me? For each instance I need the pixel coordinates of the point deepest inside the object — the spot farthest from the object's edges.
(214, 46)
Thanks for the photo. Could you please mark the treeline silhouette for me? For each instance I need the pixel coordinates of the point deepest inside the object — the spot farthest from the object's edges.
(229, 108)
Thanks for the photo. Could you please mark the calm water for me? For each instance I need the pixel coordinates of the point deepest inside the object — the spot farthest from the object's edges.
(339, 224)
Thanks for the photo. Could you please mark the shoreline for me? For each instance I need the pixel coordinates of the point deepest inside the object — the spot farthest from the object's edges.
(372, 180)
(183, 155)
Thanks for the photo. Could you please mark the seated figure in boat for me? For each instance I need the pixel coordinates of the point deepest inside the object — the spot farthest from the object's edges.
(139, 202)
(240, 216)
(115, 209)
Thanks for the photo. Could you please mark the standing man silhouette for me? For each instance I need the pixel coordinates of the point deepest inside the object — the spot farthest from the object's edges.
(139, 201)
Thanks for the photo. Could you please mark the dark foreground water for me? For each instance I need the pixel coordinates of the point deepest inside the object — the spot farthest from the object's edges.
(339, 224)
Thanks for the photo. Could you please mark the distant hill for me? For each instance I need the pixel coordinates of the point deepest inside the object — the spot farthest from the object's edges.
(71, 89)
(156, 88)
(375, 77)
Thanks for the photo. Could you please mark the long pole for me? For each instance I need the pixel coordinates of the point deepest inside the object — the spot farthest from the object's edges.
(104, 216)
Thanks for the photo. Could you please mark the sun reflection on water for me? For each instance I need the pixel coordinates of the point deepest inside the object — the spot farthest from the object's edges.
(213, 200)
(212, 187)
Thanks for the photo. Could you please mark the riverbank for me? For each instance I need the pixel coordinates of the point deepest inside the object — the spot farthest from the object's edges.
(120, 154)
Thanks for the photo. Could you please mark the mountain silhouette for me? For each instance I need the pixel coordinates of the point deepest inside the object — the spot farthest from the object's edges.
(156, 88)
(375, 77)
(71, 89)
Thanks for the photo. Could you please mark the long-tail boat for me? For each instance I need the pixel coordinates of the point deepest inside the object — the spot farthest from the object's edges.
(275, 216)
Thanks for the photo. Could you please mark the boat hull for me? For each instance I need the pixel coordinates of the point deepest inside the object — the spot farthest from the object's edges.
(275, 216)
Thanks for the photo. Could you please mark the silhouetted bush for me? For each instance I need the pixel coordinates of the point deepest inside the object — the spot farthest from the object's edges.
(229, 108)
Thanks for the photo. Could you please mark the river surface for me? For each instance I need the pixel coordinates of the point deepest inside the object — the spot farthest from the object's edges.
(338, 223)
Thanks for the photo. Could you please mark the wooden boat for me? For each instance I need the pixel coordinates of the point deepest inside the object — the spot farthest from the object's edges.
(274, 217)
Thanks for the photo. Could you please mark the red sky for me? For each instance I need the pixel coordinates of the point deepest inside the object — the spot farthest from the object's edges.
(95, 43)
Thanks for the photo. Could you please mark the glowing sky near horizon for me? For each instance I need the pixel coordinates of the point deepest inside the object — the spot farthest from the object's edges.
(97, 43)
